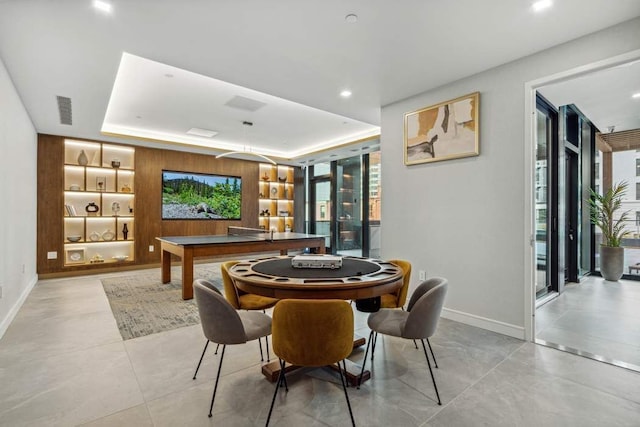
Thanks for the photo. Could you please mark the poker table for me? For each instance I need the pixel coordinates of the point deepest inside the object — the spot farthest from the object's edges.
(359, 279)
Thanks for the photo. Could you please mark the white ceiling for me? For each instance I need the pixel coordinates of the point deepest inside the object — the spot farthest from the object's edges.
(605, 97)
(304, 52)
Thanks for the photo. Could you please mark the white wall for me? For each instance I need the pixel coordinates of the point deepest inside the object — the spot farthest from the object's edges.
(465, 219)
(18, 141)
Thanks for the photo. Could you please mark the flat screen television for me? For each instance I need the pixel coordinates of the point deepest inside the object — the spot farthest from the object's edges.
(187, 195)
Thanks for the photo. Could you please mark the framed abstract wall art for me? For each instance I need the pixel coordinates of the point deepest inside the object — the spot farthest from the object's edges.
(448, 130)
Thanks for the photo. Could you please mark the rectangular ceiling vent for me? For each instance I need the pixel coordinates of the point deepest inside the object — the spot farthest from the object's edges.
(64, 108)
(246, 104)
(202, 132)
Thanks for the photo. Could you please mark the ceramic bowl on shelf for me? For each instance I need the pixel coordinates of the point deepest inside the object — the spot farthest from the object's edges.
(108, 235)
(120, 258)
(74, 238)
(74, 187)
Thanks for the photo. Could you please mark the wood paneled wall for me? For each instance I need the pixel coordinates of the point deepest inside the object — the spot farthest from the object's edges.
(149, 163)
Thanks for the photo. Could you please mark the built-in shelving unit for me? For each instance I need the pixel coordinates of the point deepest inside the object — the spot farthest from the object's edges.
(98, 203)
(276, 197)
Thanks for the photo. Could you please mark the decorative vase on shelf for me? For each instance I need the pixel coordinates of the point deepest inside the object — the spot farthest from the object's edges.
(83, 160)
(125, 231)
(92, 209)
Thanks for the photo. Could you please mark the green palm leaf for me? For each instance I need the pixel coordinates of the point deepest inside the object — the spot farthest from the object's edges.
(603, 208)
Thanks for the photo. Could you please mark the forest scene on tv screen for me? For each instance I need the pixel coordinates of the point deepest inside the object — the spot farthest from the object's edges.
(200, 196)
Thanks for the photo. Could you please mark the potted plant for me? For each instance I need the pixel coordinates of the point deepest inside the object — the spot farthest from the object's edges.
(604, 208)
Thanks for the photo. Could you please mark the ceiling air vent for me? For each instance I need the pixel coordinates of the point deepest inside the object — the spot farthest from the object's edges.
(64, 108)
(246, 104)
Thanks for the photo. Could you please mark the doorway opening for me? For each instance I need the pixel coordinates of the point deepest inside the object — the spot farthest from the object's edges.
(586, 315)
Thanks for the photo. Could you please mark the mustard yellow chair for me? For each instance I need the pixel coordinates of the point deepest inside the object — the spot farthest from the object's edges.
(312, 333)
(239, 299)
(244, 301)
(397, 299)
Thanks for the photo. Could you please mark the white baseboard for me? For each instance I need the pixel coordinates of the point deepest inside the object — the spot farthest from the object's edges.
(484, 323)
(4, 325)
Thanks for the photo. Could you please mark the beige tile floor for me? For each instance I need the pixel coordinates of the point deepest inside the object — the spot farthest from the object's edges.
(595, 316)
(63, 363)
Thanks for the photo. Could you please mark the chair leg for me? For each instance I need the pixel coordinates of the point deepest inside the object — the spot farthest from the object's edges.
(215, 388)
(266, 340)
(275, 392)
(373, 344)
(433, 355)
(203, 352)
(284, 376)
(217, 347)
(431, 372)
(260, 344)
(364, 361)
(344, 387)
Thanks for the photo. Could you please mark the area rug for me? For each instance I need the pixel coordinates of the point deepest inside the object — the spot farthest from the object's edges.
(143, 305)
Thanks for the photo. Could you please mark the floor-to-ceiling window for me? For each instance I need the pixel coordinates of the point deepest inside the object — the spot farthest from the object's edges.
(375, 200)
(619, 161)
(545, 194)
(345, 202)
(320, 208)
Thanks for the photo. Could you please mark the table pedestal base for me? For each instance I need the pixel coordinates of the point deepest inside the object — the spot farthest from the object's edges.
(272, 370)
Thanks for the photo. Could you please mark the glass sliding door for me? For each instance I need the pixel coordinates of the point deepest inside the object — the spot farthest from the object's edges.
(320, 215)
(545, 195)
(373, 169)
(344, 204)
(578, 141)
(349, 206)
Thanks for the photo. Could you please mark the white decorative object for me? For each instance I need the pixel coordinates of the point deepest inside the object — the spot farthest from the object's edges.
(83, 160)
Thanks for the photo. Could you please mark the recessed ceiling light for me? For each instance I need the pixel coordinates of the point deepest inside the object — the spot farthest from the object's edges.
(202, 132)
(351, 18)
(345, 93)
(636, 95)
(102, 6)
(541, 5)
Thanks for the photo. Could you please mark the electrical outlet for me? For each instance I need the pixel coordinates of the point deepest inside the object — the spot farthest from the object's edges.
(52, 255)
(422, 275)
(151, 248)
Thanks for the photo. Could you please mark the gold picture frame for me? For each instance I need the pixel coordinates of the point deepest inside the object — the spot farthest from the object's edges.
(449, 130)
(75, 256)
